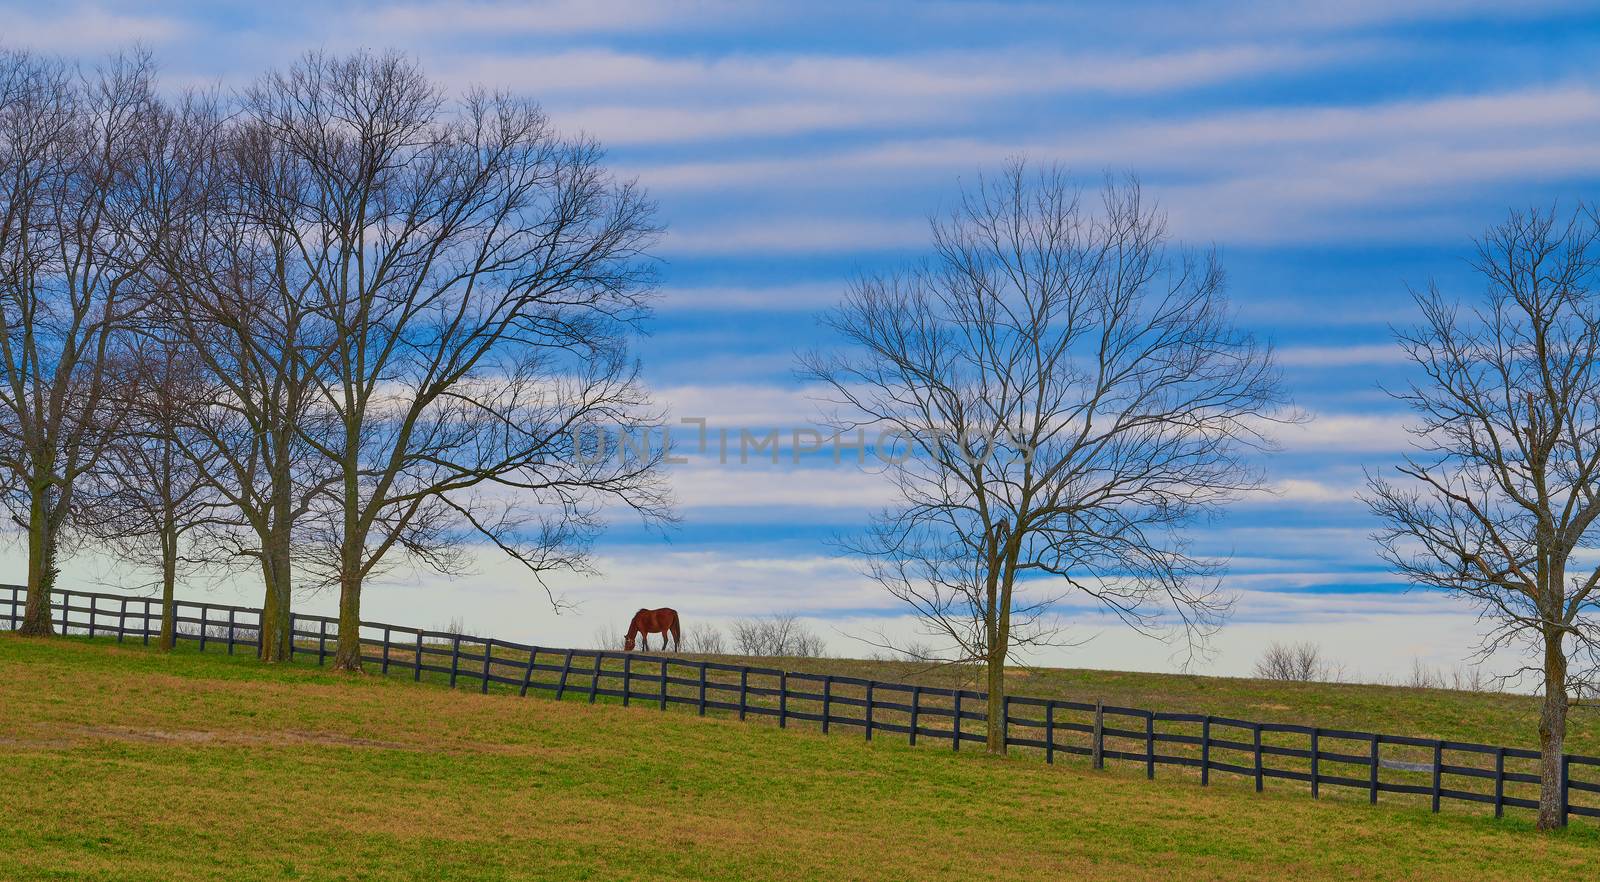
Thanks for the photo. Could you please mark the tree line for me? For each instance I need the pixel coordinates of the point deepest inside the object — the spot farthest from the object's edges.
(334, 322)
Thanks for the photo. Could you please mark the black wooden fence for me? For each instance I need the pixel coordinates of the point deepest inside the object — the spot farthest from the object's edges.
(1434, 769)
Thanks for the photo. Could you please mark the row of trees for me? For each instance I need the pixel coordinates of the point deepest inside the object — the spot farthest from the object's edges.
(329, 324)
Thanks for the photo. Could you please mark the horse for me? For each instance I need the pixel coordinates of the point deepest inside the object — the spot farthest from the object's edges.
(654, 621)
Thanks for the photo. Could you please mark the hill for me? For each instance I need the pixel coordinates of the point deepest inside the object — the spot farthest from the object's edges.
(123, 763)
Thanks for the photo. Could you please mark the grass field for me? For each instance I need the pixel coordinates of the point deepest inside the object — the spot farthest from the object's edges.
(120, 763)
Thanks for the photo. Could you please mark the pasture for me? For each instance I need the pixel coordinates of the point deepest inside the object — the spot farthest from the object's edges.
(121, 763)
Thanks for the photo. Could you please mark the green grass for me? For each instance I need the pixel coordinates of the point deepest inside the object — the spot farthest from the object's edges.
(121, 763)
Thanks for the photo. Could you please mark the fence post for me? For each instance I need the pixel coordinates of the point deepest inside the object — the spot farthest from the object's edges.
(146, 628)
(916, 712)
(66, 610)
(1150, 745)
(1373, 783)
(322, 640)
(416, 672)
(385, 669)
(627, 678)
(827, 702)
(594, 687)
(1439, 761)
(783, 700)
(92, 606)
(1205, 751)
(1005, 720)
(1316, 750)
(122, 619)
(1499, 782)
(663, 684)
(488, 654)
(955, 724)
(1566, 789)
(232, 617)
(702, 689)
(744, 690)
(871, 685)
(1099, 747)
(1259, 776)
(527, 672)
(566, 667)
(1050, 731)
(455, 658)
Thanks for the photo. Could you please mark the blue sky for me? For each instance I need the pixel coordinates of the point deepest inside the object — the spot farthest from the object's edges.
(1334, 156)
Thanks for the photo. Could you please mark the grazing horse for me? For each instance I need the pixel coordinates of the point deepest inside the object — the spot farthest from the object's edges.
(653, 621)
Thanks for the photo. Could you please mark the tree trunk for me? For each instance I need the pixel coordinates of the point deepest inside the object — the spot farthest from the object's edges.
(997, 699)
(36, 618)
(276, 615)
(347, 655)
(1552, 731)
(169, 580)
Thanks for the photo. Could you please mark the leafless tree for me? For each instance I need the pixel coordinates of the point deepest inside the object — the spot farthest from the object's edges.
(704, 639)
(776, 635)
(230, 294)
(66, 279)
(150, 495)
(1505, 484)
(1057, 394)
(608, 637)
(477, 277)
(1298, 662)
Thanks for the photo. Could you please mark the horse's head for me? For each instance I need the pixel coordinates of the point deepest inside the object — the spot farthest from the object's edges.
(628, 645)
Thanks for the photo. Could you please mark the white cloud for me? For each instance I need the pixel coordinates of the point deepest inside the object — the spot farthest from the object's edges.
(85, 28)
(804, 297)
(1377, 432)
(562, 17)
(795, 235)
(770, 489)
(1340, 356)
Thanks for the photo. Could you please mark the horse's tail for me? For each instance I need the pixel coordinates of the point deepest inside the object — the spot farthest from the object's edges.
(677, 639)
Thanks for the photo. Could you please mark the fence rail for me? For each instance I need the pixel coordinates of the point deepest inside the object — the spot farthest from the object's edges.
(1205, 744)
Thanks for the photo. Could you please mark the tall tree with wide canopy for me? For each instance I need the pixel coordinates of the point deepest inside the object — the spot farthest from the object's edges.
(1059, 393)
(69, 277)
(475, 277)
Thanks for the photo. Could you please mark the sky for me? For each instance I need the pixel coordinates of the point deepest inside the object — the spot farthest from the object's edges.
(1337, 157)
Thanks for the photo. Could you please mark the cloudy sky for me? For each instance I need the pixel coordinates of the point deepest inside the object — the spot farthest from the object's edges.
(1334, 156)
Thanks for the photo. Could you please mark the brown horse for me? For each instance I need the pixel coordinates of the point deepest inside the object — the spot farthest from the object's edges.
(653, 621)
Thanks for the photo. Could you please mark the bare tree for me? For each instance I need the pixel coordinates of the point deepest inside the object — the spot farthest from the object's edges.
(1057, 395)
(478, 277)
(703, 638)
(607, 636)
(1505, 484)
(150, 494)
(231, 295)
(1299, 662)
(66, 279)
(776, 635)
